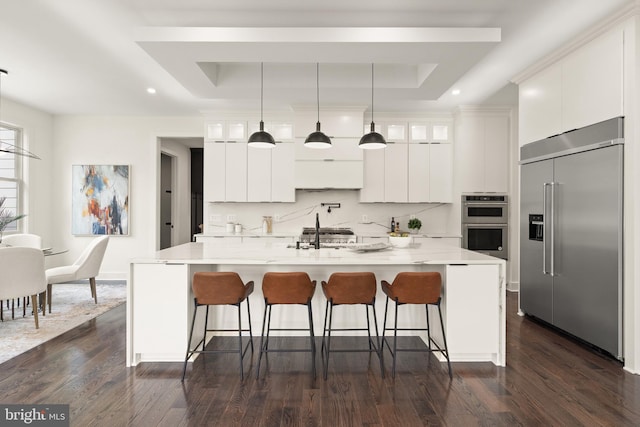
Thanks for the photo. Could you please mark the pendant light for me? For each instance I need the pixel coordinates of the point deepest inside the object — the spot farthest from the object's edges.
(6, 147)
(261, 139)
(373, 140)
(317, 139)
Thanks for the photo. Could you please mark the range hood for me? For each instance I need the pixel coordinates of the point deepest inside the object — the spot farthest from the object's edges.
(338, 167)
(329, 174)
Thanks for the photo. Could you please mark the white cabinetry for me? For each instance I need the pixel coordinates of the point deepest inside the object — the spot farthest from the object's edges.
(583, 88)
(482, 150)
(234, 172)
(270, 174)
(408, 173)
(225, 171)
(226, 130)
(337, 167)
(214, 171)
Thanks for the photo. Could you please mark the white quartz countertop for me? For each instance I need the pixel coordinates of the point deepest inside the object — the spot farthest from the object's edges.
(278, 253)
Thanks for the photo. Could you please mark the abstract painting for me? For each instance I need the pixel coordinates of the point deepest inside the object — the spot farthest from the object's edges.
(100, 200)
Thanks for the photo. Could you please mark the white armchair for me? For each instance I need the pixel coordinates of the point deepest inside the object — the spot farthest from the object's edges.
(22, 273)
(23, 240)
(87, 266)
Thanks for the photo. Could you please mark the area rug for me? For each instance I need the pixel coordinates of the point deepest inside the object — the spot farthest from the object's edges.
(72, 305)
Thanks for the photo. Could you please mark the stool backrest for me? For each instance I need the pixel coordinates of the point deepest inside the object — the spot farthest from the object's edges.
(417, 287)
(350, 288)
(287, 287)
(218, 288)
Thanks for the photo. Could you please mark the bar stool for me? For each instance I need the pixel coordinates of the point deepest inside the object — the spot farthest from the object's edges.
(349, 289)
(219, 288)
(287, 288)
(414, 288)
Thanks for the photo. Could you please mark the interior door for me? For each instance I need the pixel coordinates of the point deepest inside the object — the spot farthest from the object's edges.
(536, 296)
(166, 177)
(588, 200)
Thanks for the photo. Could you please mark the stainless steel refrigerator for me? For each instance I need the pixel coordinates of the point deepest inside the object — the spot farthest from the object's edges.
(571, 233)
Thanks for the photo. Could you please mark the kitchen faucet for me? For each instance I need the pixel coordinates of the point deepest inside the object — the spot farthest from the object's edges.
(316, 243)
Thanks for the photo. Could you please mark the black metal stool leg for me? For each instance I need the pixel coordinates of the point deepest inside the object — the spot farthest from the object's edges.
(328, 348)
(186, 358)
(250, 328)
(378, 344)
(444, 338)
(313, 340)
(395, 340)
(262, 343)
(240, 342)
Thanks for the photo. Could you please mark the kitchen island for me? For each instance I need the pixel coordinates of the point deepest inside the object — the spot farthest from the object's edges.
(160, 301)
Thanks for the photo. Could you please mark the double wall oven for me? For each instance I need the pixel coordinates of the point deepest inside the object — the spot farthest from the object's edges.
(485, 228)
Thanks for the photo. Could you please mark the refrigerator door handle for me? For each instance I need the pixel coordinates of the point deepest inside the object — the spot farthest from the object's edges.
(545, 228)
(552, 222)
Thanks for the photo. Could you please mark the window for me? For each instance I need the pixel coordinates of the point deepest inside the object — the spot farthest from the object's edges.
(10, 173)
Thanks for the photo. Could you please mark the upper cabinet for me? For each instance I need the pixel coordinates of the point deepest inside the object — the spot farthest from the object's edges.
(235, 172)
(482, 150)
(226, 130)
(335, 124)
(415, 167)
(583, 88)
(338, 167)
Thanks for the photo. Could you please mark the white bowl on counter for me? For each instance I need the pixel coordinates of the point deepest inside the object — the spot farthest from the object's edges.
(400, 242)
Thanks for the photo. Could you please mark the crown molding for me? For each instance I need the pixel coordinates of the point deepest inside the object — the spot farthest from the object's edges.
(628, 12)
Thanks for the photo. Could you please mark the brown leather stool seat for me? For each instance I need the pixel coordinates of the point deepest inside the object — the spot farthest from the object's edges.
(349, 289)
(287, 288)
(414, 288)
(219, 288)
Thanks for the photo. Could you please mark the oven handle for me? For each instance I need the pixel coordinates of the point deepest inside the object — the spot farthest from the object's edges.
(486, 203)
(487, 225)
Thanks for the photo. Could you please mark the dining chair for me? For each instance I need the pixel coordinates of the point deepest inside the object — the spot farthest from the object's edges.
(22, 273)
(24, 240)
(87, 266)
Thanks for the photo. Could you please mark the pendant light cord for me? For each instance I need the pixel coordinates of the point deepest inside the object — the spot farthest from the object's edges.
(372, 92)
(318, 89)
(261, 88)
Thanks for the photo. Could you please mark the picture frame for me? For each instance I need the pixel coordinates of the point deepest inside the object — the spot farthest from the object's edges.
(100, 200)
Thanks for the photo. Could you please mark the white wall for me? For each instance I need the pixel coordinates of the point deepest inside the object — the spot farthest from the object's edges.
(37, 129)
(113, 140)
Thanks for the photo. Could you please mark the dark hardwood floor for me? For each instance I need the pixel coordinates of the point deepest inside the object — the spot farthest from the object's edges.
(549, 380)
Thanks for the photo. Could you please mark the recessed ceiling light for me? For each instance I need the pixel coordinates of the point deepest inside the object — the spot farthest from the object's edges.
(151, 90)
(455, 92)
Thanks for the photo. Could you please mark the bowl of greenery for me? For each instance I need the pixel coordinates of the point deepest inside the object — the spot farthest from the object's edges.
(414, 225)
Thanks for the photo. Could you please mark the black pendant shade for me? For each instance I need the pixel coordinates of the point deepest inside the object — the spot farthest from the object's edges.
(261, 139)
(317, 139)
(373, 140)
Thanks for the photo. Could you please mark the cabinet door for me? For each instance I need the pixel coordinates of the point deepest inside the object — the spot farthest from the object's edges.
(236, 172)
(283, 173)
(496, 155)
(214, 171)
(440, 173)
(592, 82)
(419, 176)
(373, 186)
(540, 105)
(259, 174)
(396, 177)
